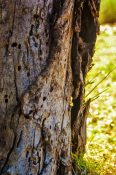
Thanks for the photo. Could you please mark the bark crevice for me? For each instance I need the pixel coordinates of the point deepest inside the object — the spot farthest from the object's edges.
(85, 28)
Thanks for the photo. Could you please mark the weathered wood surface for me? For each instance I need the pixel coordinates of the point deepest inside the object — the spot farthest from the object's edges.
(46, 49)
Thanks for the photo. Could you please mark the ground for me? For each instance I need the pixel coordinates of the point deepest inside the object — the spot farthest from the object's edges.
(100, 157)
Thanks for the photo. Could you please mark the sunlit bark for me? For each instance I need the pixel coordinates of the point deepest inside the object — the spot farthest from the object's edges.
(46, 49)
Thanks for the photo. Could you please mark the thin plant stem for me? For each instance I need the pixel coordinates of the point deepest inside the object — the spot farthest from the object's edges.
(97, 95)
(100, 82)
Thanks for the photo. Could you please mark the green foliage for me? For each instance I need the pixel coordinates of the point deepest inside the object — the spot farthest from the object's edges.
(107, 11)
(100, 156)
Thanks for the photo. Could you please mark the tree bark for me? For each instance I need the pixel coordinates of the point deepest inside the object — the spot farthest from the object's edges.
(46, 49)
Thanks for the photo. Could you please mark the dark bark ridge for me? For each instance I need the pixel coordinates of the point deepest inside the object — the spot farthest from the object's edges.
(85, 28)
(45, 52)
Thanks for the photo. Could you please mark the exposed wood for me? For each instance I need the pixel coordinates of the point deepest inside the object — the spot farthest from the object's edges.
(46, 49)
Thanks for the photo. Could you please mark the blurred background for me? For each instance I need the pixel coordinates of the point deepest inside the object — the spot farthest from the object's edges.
(100, 157)
(108, 11)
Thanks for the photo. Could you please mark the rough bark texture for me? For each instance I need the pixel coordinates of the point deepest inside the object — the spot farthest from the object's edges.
(46, 49)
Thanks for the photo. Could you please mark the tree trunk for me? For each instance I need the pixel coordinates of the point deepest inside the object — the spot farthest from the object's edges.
(46, 49)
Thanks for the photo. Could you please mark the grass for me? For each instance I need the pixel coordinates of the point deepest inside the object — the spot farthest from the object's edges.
(100, 156)
(107, 11)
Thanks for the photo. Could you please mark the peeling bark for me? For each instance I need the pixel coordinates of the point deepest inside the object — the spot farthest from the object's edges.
(46, 50)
